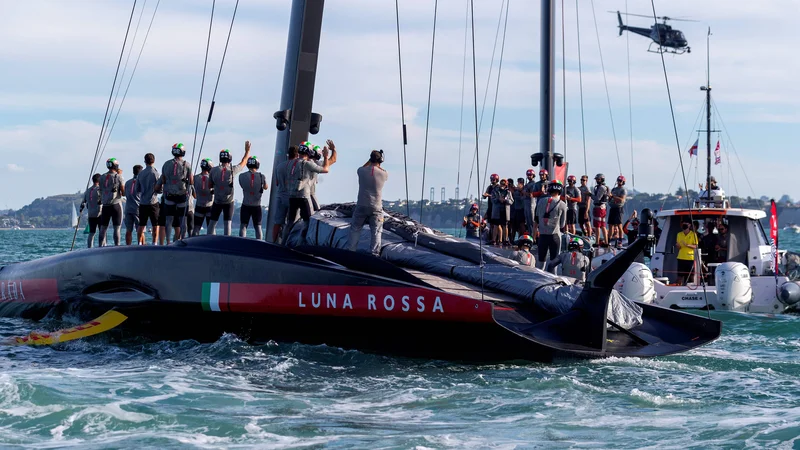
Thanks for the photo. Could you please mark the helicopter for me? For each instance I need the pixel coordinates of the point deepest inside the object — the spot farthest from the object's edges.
(665, 38)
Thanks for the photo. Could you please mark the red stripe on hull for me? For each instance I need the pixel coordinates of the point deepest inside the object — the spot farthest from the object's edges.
(354, 301)
(43, 290)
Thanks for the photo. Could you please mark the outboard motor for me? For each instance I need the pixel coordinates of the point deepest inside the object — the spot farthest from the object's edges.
(637, 284)
(789, 293)
(733, 286)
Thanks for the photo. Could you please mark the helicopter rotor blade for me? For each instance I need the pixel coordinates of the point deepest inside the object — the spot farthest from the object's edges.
(630, 14)
(664, 18)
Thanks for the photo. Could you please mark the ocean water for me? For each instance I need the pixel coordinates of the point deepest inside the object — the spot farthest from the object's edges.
(742, 391)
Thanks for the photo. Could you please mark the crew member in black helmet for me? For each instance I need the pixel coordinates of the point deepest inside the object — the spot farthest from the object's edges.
(176, 177)
(222, 182)
(299, 175)
(574, 263)
(551, 215)
(253, 184)
(618, 197)
(369, 206)
(204, 194)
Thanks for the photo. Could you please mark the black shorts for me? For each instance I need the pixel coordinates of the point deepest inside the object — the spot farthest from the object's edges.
(301, 205)
(250, 211)
(583, 216)
(162, 218)
(111, 213)
(615, 215)
(571, 219)
(685, 268)
(201, 213)
(93, 222)
(226, 209)
(148, 212)
(174, 210)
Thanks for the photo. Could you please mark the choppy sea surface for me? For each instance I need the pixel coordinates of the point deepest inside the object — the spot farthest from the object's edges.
(742, 391)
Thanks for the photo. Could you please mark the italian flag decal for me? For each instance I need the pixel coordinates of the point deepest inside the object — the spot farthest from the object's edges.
(212, 294)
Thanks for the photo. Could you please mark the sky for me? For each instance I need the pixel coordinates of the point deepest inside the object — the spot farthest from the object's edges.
(59, 59)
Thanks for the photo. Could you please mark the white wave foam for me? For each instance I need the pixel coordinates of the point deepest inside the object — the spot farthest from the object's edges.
(661, 400)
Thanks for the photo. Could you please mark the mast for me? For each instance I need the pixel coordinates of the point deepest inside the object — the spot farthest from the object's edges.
(707, 88)
(295, 119)
(547, 84)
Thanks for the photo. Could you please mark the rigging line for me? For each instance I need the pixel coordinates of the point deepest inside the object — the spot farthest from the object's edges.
(563, 72)
(605, 82)
(130, 80)
(678, 143)
(202, 85)
(105, 116)
(496, 92)
(735, 152)
(125, 67)
(461, 115)
(402, 106)
(630, 103)
(488, 82)
(428, 112)
(580, 81)
(219, 76)
(475, 115)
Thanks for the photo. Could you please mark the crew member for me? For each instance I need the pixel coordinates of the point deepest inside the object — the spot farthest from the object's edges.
(132, 198)
(316, 156)
(631, 227)
(523, 253)
(618, 197)
(112, 189)
(529, 204)
(176, 177)
(148, 197)
(187, 224)
(518, 213)
(494, 179)
(282, 198)
(204, 196)
(501, 210)
(91, 201)
(726, 244)
(574, 263)
(539, 191)
(472, 222)
(369, 206)
(686, 243)
(708, 243)
(599, 212)
(253, 184)
(299, 174)
(222, 182)
(551, 215)
(585, 207)
(572, 195)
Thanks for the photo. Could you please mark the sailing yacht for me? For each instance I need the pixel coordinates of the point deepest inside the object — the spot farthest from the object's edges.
(73, 218)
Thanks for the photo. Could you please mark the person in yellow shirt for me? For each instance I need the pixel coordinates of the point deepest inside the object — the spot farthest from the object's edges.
(686, 243)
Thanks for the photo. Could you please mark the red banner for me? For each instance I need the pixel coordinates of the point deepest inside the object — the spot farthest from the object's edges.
(773, 235)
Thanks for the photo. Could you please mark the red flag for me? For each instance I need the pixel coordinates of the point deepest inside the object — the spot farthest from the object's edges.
(717, 158)
(693, 150)
(773, 236)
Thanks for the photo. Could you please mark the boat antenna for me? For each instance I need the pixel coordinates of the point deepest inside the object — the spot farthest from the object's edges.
(402, 106)
(678, 143)
(707, 89)
(428, 111)
(105, 116)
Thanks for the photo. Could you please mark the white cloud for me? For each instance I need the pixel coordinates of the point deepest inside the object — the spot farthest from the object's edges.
(11, 167)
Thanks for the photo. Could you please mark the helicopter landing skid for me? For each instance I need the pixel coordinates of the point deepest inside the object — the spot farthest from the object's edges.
(656, 48)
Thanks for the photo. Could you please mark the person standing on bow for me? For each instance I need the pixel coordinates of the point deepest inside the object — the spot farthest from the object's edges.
(618, 197)
(539, 192)
(132, 198)
(204, 196)
(585, 207)
(518, 227)
(494, 179)
(599, 212)
(253, 184)
(572, 195)
(91, 201)
(299, 175)
(222, 182)
(112, 189)
(472, 222)
(502, 200)
(551, 214)
(149, 207)
(176, 177)
(529, 203)
(369, 206)
(282, 199)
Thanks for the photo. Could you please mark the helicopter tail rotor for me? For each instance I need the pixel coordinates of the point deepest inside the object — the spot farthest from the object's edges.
(621, 25)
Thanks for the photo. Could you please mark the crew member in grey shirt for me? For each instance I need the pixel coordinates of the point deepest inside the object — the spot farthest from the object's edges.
(149, 208)
(551, 215)
(529, 203)
(299, 173)
(572, 195)
(253, 184)
(574, 264)
(282, 198)
(204, 196)
(369, 206)
(618, 197)
(112, 189)
(176, 177)
(222, 182)
(599, 211)
(473, 222)
(91, 201)
(132, 207)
